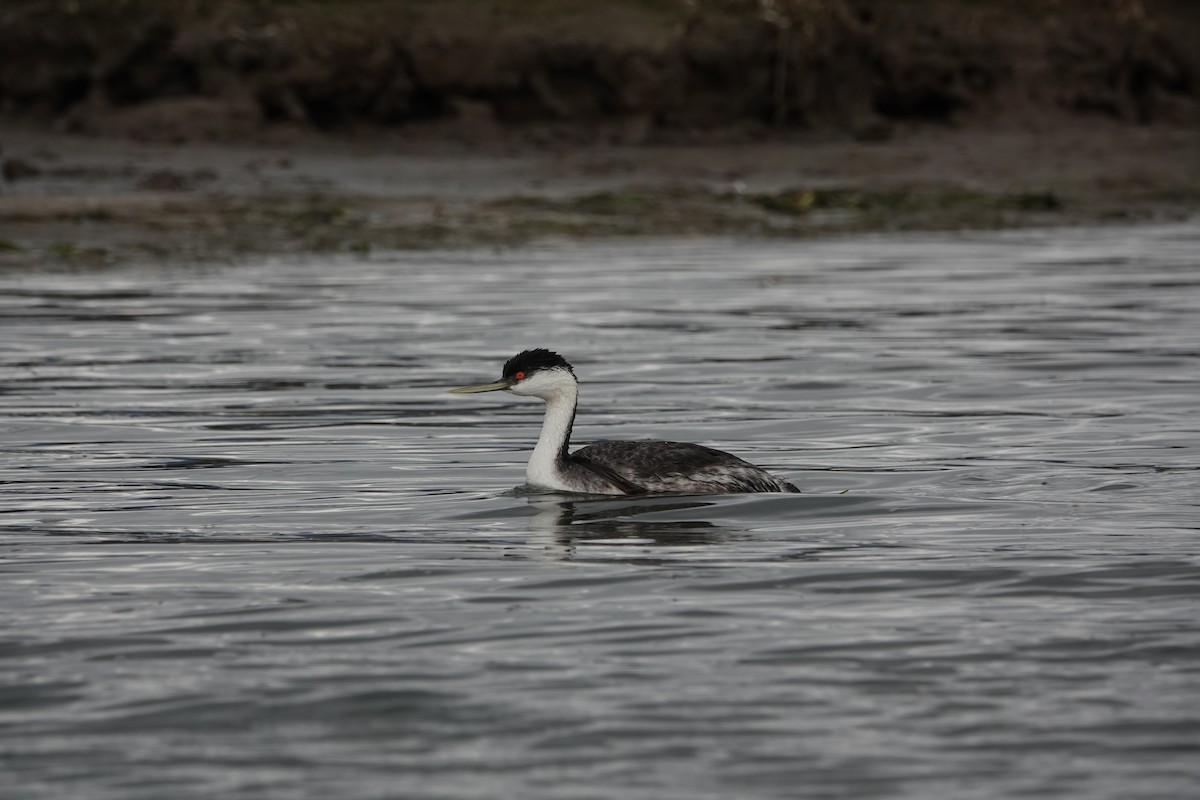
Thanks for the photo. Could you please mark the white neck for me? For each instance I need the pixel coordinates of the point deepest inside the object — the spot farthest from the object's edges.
(543, 468)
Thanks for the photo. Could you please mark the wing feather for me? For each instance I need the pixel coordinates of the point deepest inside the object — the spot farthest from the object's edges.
(677, 466)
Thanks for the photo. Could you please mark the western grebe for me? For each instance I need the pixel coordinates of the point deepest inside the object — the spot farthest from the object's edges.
(614, 467)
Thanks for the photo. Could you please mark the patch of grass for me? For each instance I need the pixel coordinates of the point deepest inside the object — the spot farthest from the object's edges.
(523, 201)
(66, 251)
(796, 202)
(1031, 201)
(801, 201)
(1173, 195)
(322, 215)
(611, 202)
(1017, 201)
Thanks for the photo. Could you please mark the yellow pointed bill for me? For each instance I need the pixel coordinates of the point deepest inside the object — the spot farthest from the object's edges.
(484, 387)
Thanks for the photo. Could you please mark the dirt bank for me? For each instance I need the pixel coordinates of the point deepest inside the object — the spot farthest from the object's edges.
(625, 71)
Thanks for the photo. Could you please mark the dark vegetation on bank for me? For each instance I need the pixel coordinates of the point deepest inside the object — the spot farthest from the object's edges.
(620, 70)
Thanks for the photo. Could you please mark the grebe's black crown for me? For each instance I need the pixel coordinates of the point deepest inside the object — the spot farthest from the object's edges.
(530, 361)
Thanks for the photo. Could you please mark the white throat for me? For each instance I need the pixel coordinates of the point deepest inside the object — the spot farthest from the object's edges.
(543, 468)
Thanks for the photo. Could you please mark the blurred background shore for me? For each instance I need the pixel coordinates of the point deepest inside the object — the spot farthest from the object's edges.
(134, 130)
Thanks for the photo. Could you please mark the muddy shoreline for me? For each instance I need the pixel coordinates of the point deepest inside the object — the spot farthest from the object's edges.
(85, 201)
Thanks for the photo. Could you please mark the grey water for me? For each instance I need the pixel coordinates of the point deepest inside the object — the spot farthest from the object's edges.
(250, 548)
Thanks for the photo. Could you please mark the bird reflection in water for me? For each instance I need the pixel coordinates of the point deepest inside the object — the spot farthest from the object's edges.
(563, 521)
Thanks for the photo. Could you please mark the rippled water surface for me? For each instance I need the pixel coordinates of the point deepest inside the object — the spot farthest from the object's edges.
(251, 549)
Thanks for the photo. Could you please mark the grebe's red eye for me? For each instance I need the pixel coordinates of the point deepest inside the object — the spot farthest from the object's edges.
(520, 376)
